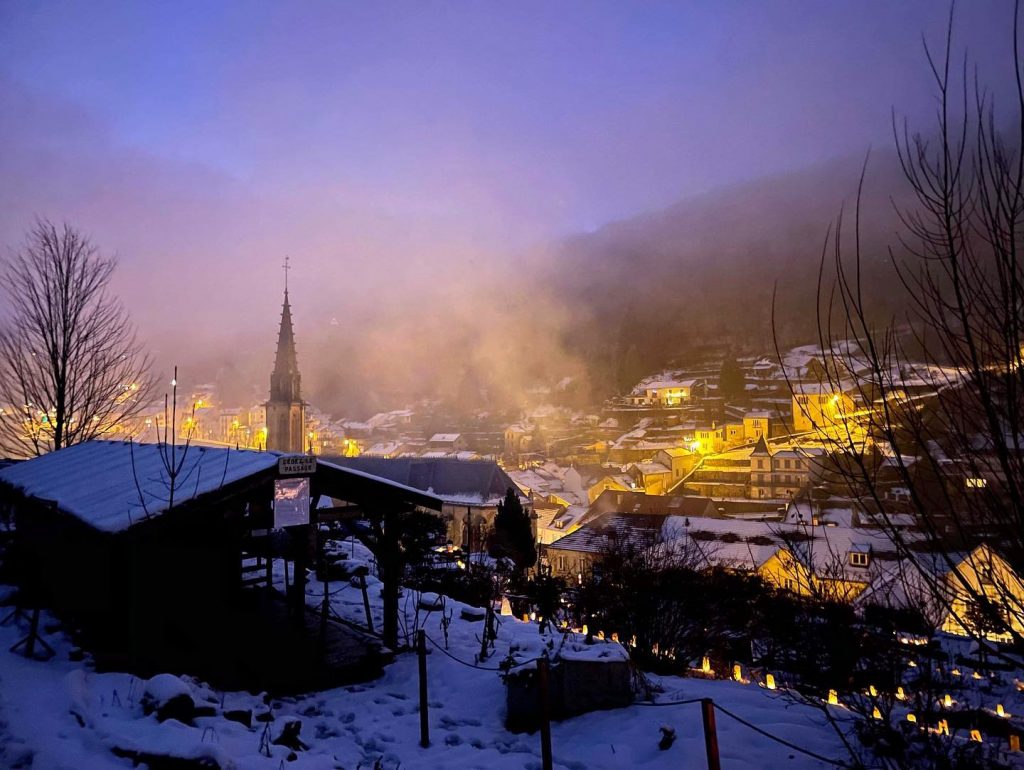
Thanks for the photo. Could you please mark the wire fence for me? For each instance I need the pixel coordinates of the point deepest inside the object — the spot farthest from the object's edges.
(477, 666)
(686, 702)
(783, 741)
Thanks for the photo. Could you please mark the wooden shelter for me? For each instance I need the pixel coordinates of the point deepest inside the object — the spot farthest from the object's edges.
(164, 569)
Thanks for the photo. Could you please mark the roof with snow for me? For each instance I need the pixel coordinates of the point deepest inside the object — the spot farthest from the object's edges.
(452, 480)
(111, 485)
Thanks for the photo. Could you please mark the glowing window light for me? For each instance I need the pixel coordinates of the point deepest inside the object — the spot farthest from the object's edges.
(769, 682)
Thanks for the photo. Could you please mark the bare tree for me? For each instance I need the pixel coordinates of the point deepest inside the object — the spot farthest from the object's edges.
(70, 366)
(939, 388)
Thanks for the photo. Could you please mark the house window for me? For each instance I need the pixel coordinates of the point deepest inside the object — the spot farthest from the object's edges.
(977, 483)
(790, 584)
(560, 561)
(858, 559)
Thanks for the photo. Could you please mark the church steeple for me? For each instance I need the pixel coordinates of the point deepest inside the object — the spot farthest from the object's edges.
(285, 381)
(286, 413)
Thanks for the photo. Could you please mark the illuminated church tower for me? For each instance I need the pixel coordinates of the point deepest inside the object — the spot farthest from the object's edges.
(286, 412)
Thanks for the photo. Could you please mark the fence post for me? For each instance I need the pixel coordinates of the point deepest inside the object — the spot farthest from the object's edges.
(366, 603)
(485, 634)
(545, 712)
(707, 709)
(421, 653)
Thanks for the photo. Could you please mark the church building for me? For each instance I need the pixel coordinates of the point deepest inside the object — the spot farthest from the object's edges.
(286, 411)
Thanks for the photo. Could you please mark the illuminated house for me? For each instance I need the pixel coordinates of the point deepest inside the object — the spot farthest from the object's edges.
(651, 477)
(783, 471)
(663, 392)
(819, 406)
(756, 424)
(983, 570)
(679, 460)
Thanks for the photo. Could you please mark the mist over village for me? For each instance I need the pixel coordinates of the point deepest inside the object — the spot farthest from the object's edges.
(529, 385)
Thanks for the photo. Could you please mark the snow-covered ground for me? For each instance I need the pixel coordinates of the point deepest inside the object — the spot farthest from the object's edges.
(62, 714)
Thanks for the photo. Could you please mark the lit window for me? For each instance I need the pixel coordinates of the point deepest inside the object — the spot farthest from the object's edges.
(858, 559)
(974, 483)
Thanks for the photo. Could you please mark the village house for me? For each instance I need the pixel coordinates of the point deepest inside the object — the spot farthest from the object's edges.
(663, 392)
(756, 424)
(775, 470)
(652, 477)
(617, 482)
(553, 482)
(469, 490)
(655, 505)
(960, 577)
(447, 443)
(819, 406)
(679, 460)
(709, 439)
(518, 440)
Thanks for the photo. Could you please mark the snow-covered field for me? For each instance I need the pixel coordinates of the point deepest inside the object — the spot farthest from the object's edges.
(61, 714)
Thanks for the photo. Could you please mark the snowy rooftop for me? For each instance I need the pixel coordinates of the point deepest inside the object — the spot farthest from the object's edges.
(95, 481)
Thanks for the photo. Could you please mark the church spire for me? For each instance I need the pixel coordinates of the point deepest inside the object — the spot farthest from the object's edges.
(285, 380)
(285, 409)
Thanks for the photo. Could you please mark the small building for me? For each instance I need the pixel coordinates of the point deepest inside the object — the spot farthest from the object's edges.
(652, 477)
(166, 571)
(663, 392)
(447, 442)
(679, 460)
(469, 490)
(820, 407)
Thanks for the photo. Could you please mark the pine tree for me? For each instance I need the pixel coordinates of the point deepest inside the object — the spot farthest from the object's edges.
(513, 533)
(731, 382)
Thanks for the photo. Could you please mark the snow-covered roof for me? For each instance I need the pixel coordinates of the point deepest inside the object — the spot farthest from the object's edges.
(444, 438)
(111, 485)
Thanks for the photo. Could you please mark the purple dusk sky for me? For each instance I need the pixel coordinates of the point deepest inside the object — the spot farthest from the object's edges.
(420, 142)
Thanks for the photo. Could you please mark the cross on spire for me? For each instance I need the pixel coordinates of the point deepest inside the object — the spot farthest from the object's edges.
(286, 269)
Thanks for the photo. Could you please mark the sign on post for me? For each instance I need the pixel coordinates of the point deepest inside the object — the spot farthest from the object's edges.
(291, 502)
(296, 465)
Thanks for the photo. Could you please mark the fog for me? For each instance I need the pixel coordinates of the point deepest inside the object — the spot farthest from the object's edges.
(443, 176)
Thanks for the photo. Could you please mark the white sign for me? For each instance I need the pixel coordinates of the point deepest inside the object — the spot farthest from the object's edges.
(296, 465)
(291, 502)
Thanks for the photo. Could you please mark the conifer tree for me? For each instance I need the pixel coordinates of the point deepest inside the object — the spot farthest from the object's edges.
(513, 533)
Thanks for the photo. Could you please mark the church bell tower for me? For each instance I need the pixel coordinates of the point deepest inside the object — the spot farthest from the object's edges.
(286, 412)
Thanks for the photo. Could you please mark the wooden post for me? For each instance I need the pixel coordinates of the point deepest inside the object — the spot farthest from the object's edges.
(421, 653)
(545, 712)
(390, 564)
(33, 634)
(325, 610)
(366, 603)
(484, 635)
(707, 708)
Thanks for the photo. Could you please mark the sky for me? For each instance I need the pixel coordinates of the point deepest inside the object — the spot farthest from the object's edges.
(407, 154)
